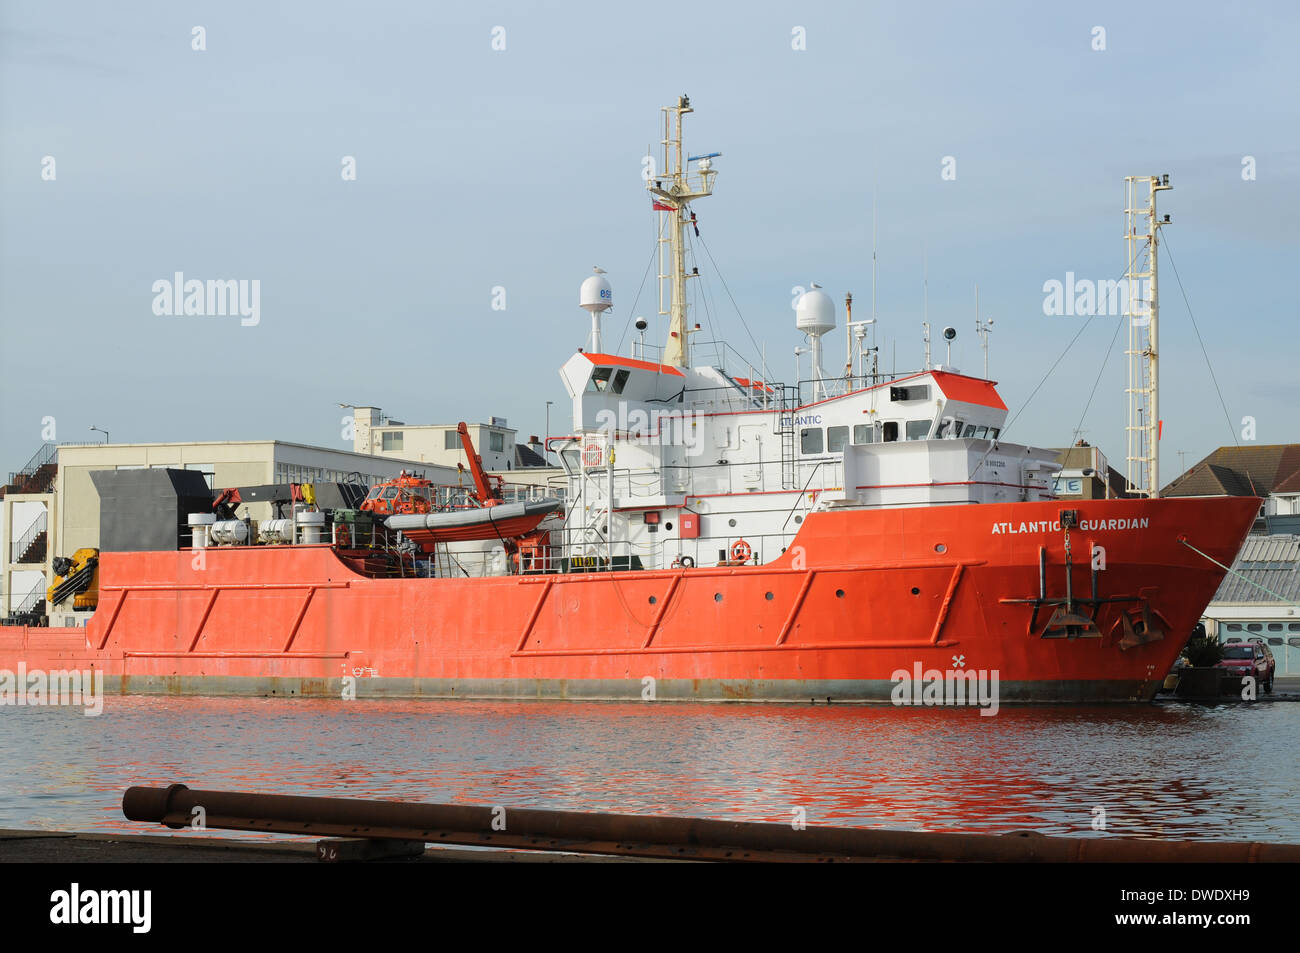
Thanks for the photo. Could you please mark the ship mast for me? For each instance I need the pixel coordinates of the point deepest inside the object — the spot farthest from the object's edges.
(1142, 237)
(672, 193)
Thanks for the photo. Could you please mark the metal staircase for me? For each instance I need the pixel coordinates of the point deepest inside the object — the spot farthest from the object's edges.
(31, 548)
(37, 476)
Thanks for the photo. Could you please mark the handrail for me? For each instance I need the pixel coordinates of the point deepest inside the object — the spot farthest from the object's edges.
(799, 499)
(41, 457)
(18, 548)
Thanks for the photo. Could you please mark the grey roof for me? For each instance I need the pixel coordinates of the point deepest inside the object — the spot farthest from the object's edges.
(526, 456)
(1269, 561)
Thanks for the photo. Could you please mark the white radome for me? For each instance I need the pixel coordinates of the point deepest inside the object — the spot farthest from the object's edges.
(596, 294)
(815, 311)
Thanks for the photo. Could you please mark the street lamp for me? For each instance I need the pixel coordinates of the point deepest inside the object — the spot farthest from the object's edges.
(546, 447)
(101, 430)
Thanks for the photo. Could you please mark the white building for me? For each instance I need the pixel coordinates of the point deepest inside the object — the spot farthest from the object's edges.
(432, 443)
(1241, 611)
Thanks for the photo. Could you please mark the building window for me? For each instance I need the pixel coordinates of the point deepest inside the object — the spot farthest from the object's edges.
(837, 438)
(450, 440)
(496, 442)
(392, 440)
(810, 440)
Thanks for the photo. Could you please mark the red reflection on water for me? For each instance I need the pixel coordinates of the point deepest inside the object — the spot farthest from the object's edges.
(1155, 771)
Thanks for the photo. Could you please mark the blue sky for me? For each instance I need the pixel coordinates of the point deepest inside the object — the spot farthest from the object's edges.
(519, 168)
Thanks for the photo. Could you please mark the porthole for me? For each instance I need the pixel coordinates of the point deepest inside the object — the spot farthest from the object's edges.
(731, 523)
(768, 596)
(940, 548)
(798, 519)
(717, 597)
(839, 593)
(916, 591)
(668, 525)
(653, 600)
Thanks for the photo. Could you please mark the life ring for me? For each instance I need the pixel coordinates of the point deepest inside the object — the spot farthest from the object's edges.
(741, 551)
(685, 562)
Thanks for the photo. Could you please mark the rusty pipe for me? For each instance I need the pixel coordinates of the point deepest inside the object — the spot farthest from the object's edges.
(528, 828)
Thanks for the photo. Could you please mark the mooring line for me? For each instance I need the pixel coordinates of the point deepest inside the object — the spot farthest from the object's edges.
(1280, 598)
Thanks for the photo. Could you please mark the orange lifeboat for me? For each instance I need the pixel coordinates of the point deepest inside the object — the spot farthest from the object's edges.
(402, 495)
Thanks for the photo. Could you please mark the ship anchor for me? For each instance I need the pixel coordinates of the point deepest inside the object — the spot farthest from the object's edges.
(1076, 617)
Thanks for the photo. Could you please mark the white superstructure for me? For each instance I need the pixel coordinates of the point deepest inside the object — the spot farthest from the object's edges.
(670, 463)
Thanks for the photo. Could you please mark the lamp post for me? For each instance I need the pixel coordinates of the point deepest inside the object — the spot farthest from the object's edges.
(100, 430)
(546, 447)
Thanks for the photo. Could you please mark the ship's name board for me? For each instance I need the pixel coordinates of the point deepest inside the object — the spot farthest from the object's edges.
(807, 420)
(1054, 526)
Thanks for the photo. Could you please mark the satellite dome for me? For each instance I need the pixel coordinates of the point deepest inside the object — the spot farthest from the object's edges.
(596, 294)
(815, 311)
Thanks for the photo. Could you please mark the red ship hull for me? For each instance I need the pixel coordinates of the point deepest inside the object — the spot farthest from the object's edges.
(861, 596)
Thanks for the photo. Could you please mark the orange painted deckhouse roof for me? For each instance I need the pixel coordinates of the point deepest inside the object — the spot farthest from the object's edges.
(616, 361)
(969, 390)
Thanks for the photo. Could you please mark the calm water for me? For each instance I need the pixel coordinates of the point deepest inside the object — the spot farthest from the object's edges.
(1225, 773)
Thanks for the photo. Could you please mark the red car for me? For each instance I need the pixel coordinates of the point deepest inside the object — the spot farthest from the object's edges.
(1250, 658)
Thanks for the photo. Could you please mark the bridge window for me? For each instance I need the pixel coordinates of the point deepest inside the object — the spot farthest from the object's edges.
(864, 433)
(620, 381)
(837, 438)
(810, 440)
(890, 431)
(599, 381)
(949, 429)
(919, 429)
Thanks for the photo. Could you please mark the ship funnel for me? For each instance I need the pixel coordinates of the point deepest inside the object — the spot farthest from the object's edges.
(815, 316)
(596, 296)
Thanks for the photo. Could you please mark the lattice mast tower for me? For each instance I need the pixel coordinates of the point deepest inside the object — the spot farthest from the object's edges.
(1141, 235)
